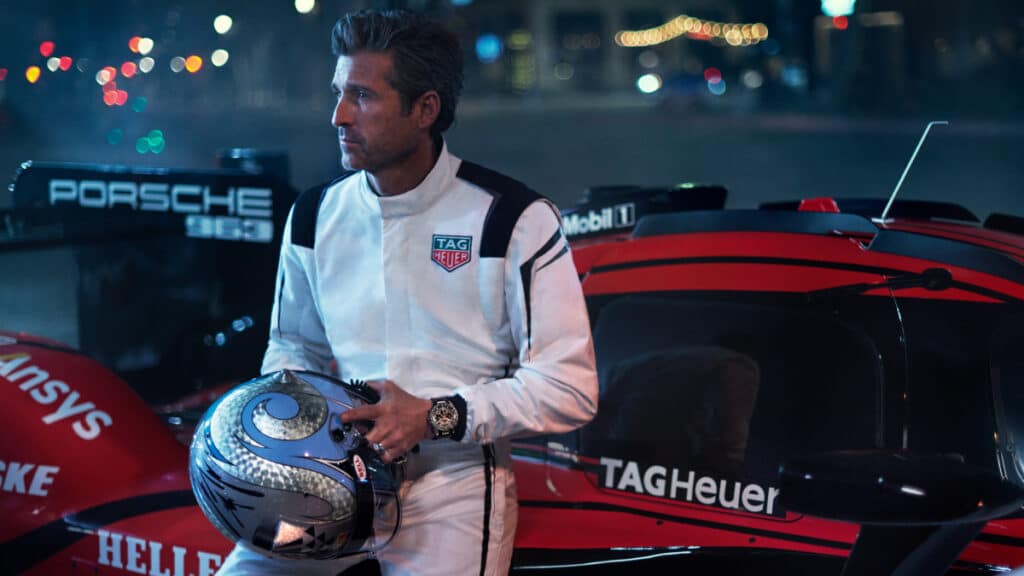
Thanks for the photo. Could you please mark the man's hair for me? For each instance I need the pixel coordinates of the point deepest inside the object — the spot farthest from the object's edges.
(425, 55)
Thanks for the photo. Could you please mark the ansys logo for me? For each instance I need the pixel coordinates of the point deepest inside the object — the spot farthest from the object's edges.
(451, 252)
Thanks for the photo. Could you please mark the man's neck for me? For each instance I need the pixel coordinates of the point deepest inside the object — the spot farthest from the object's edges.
(406, 174)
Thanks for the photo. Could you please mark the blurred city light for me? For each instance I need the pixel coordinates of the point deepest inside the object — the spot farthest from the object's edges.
(65, 63)
(32, 74)
(648, 83)
(139, 103)
(488, 48)
(122, 97)
(128, 69)
(695, 29)
(519, 40)
(222, 24)
(83, 65)
(713, 75)
(46, 49)
(3, 74)
(133, 43)
(145, 46)
(304, 6)
(146, 64)
(177, 64)
(219, 57)
(838, 7)
(110, 97)
(753, 79)
(142, 145)
(114, 136)
(717, 88)
(648, 58)
(53, 64)
(461, 2)
(193, 64)
(564, 71)
(840, 22)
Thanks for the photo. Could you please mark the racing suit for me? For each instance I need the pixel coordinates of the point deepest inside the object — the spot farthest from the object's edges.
(463, 285)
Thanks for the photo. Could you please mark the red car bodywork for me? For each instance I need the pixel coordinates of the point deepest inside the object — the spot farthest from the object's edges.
(95, 482)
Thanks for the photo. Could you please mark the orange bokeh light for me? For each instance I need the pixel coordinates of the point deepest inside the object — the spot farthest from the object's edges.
(110, 97)
(193, 63)
(133, 43)
(46, 48)
(32, 74)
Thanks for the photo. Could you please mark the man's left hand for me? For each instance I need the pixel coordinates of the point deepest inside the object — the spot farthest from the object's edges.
(400, 419)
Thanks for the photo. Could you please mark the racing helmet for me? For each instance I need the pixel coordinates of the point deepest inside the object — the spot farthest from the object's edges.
(272, 465)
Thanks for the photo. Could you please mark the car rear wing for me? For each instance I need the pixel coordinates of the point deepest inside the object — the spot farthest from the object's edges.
(615, 210)
(59, 203)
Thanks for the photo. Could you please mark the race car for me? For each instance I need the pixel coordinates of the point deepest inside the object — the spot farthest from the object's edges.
(784, 390)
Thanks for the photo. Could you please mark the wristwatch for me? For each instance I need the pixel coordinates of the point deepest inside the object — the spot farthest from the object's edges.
(447, 417)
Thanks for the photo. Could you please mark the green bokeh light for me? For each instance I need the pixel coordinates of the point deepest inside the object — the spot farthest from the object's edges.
(139, 103)
(114, 136)
(142, 145)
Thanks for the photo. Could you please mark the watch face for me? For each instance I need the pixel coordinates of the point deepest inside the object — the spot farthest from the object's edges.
(444, 417)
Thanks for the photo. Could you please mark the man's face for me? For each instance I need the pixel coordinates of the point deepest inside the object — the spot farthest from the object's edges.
(373, 131)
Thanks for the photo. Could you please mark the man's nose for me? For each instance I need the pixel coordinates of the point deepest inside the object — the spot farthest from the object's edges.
(342, 113)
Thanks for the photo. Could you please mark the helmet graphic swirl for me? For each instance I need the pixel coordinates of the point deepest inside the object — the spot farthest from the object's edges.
(271, 464)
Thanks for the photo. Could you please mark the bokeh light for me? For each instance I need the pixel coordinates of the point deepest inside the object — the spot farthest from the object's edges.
(222, 24)
(488, 48)
(142, 145)
(122, 97)
(717, 88)
(304, 6)
(219, 57)
(752, 79)
(648, 83)
(133, 43)
(65, 63)
(110, 97)
(146, 64)
(46, 49)
(145, 46)
(114, 136)
(177, 64)
(840, 22)
(83, 65)
(713, 75)
(3, 74)
(53, 64)
(32, 74)
(193, 64)
(139, 103)
(128, 69)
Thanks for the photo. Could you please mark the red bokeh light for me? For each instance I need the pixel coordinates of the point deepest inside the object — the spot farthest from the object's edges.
(840, 22)
(110, 87)
(46, 48)
(110, 97)
(3, 74)
(121, 96)
(65, 63)
(713, 75)
(128, 69)
(133, 43)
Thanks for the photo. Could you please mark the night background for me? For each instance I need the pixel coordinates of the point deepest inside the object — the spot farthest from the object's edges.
(775, 99)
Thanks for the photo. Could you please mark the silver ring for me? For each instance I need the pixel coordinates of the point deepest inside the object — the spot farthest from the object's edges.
(379, 448)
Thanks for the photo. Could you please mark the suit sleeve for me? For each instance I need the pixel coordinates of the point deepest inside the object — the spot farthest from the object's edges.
(554, 386)
(297, 338)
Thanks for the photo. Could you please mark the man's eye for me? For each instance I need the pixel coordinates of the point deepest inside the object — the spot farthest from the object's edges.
(362, 94)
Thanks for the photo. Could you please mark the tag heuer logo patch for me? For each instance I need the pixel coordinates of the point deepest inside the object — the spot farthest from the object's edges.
(451, 252)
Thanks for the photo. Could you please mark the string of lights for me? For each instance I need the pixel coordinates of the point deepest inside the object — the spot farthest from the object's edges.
(734, 34)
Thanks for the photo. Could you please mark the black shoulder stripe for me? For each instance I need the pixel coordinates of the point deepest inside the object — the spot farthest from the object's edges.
(511, 197)
(307, 207)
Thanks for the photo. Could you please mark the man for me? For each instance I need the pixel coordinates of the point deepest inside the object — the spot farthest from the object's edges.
(446, 285)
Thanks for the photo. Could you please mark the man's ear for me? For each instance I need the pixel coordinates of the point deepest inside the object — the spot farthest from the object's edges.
(428, 106)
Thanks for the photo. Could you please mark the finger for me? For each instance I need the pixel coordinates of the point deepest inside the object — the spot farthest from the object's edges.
(365, 412)
(379, 385)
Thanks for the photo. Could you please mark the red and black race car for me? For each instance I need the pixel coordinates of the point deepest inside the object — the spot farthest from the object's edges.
(776, 384)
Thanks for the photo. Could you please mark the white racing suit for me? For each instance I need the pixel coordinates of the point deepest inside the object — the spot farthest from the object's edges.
(463, 285)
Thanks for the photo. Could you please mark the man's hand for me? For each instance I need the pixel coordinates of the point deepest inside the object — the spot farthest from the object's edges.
(400, 419)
